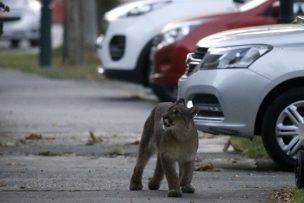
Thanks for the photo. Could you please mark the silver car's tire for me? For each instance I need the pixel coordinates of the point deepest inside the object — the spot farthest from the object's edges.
(34, 42)
(283, 126)
(299, 169)
(14, 43)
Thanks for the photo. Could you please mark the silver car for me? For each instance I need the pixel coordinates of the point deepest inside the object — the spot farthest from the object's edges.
(250, 82)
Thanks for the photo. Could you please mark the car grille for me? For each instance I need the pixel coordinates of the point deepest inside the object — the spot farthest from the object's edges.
(193, 59)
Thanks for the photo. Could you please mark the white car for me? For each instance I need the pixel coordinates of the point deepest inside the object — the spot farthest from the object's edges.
(23, 22)
(249, 82)
(124, 46)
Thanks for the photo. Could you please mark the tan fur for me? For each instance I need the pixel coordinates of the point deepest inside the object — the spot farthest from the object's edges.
(170, 132)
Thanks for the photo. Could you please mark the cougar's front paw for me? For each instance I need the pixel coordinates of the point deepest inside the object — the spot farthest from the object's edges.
(174, 193)
(188, 189)
(153, 185)
(135, 186)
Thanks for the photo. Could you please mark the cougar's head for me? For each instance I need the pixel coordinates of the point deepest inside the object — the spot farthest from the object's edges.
(178, 115)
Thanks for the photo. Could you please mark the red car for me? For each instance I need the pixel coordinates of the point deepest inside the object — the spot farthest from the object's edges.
(178, 39)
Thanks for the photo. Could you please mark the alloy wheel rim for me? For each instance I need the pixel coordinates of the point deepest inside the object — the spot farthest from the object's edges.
(289, 130)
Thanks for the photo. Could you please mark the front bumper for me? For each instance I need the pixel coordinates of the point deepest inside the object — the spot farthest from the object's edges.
(134, 76)
(228, 99)
(126, 37)
(117, 73)
(18, 31)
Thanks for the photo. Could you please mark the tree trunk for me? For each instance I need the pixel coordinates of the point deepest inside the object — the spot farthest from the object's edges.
(102, 7)
(81, 25)
(90, 22)
(73, 46)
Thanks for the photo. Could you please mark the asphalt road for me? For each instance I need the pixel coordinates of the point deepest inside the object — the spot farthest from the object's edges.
(45, 127)
(34, 104)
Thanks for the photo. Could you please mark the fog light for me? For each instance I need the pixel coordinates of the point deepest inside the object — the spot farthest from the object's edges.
(189, 104)
(100, 70)
(117, 47)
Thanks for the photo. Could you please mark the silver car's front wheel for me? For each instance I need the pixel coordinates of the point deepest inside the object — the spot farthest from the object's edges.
(290, 128)
(283, 126)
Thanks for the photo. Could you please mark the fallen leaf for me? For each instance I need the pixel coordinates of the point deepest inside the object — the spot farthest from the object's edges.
(204, 167)
(236, 147)
(234, 161)
(227, 145)
(47, 153)
(137, 142)
(25, 187)
(283, 197)
(34, 136)
(2, 184)
(93, 139)
(117, 152)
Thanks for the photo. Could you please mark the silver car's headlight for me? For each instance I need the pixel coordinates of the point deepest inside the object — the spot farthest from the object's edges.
(233, 57)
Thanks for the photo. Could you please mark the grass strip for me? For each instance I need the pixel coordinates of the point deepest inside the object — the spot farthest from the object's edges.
(252, 148)
(29, 63)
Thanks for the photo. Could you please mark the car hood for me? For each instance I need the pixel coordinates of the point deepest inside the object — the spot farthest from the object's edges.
(275, 35)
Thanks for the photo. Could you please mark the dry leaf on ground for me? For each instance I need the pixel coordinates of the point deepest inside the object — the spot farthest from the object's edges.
(34, 136)
(93, 139)
(204, 167)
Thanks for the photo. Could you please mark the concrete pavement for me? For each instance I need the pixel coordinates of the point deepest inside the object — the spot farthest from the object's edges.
(45, 126)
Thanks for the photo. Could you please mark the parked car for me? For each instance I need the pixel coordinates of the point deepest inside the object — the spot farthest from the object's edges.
(249, 82)
(22, 22)
(173, 44)
(124, 46)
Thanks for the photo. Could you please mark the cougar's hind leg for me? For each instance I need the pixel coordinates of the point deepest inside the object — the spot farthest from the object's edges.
(146, 150)
(142, 160)
(158, 175)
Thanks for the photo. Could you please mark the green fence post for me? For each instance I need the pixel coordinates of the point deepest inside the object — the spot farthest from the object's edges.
(286, 11)
(45, 56)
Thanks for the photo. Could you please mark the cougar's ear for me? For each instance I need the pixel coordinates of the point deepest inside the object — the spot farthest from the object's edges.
(193, 110)
(180, 101)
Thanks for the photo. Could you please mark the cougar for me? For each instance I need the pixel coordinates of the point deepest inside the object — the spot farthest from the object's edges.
(170, 132)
